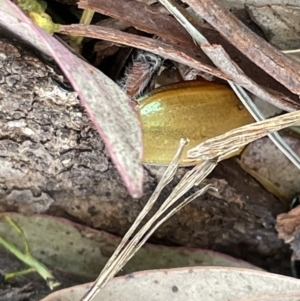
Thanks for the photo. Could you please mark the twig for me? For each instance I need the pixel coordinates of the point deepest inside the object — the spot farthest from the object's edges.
(170, 51)
(267, 57)
(165, 49)
(231, 141)
(222, 60)
(258, 116)
(142, 17)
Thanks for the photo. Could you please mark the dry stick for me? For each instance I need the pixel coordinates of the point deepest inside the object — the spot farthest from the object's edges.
(279, 66)
(165, 49)
(142, 17)
(168, 51)
(222, 60)
(218, 146)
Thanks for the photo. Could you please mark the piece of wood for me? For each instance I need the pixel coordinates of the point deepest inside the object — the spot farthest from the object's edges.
(282, 68)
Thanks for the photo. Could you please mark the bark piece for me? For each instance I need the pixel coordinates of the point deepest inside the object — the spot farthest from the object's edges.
(279, 23)
(275, 63)
(142, 17)
(222, 60)
(168, 50)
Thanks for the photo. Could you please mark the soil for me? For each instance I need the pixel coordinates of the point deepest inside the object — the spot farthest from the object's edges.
(30, 287)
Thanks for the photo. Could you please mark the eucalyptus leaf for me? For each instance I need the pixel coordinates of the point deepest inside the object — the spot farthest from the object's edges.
(107, 105)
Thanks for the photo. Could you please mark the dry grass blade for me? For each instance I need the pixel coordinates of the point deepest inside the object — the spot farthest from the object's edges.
(258, 116)
(118, 259)
(220, 146)
(172, 212)
(165, 180)
(127, 249)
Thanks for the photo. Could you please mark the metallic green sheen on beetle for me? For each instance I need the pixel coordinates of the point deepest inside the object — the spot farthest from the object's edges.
(195, 110)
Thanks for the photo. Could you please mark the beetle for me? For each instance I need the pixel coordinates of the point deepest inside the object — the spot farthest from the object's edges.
(195, 110)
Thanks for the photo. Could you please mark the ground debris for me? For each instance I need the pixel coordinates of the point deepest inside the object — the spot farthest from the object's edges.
(16, 293)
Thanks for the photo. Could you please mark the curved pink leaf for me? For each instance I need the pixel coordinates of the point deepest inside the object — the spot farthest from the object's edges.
(107, 105)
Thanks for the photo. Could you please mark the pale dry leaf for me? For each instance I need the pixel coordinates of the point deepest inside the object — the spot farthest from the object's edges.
(279, 23)
(211, 283)
(58, 237)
